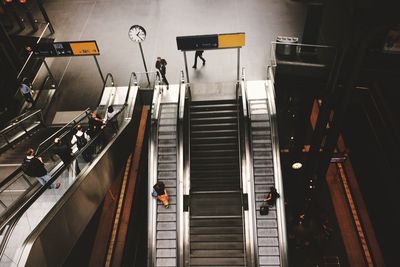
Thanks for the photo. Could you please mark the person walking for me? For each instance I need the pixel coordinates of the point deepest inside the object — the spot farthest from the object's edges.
(199, 53)
(25, 88)
(161, 66)
(33, 166)
(161, 193)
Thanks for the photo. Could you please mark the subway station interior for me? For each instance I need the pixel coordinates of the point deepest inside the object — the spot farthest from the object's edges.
(296, 95)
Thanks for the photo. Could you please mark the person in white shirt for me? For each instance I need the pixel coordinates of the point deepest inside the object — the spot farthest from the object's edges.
(26, 90)
(79, 139)
(111, 118)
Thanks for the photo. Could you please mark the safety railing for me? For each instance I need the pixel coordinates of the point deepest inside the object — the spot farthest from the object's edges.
(246, 176)
(47, 143)
(152, 164)
(20, 126)
(61, 171)
(280, 207)
(17, 184)
(182, 217)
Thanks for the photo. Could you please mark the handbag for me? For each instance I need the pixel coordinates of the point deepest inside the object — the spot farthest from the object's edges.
(264, 209)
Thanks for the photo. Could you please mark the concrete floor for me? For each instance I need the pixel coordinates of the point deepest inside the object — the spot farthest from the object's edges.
(108, 21)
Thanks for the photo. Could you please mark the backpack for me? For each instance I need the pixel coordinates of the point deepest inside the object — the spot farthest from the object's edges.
(81, 141)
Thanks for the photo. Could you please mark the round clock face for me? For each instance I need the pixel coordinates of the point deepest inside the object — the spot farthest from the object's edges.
(137, 33)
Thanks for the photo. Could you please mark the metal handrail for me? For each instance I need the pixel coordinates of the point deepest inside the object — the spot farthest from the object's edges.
(16, 122)
(31, 53)
(135, 83)
(72, 122)
(180, 174)
(108, 76)
(280, 206)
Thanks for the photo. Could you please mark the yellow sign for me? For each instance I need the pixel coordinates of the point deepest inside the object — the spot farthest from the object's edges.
(231, 40)
(88, 48)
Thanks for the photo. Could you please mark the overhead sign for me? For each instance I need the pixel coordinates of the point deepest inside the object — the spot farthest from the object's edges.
(211, 41)
(66, 49)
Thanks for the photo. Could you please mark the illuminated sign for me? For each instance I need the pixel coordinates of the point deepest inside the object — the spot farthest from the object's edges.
(66, 49)
(212, 41)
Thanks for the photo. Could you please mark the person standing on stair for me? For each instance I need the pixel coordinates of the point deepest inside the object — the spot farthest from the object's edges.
(161, 66)
(33, 166)
(25, 88)
(162, 195)
(272, 196)
(199, 53)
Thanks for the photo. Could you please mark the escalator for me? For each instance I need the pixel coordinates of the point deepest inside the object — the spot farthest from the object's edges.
(216, 223)
(43, 209)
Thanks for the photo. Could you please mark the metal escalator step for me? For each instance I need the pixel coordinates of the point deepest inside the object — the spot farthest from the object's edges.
(262, 155)
(268, 241)
(167, 151)
(264, 223)
(166, 159)
(167, 136)
(167, 167)
(166, 226)
(269, 180)
(255, 105)
(162, 209)
(262, 163)
(217, 113)
(166, 175)
(271, 215)
(215, 106)
(267, 232)
(215, 120)
(214, 253)
(166, 262)
(166, 253)
(215, 222)
(269, 260)
(166, 217)
(217, 261)
(170, 183)
(217, 238)
(216, 245)
(259, 117)
(260, 124)
(260, 203)
(216, 230)
(167, 142)
(263, 171)
(167, 129)
(166, 235)
(171, 122)
(264, 132)
(261, 188)
(168, 115)
(166, 243)
(214, 102)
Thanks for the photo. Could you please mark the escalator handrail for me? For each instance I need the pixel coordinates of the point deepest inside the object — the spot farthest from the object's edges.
(108, 76)
(182, 178)
(135, 83)
(16, 121)
(19, 211)
(15, 173)
(280, 207)
(246, 174)
(73, 122)
(153, 162)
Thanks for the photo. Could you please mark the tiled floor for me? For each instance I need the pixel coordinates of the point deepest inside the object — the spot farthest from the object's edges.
(108, 21)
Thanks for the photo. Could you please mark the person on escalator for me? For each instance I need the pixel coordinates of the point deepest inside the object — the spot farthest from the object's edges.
(64, 152)
(111, 118)
(79, 141)
(272, 196)
(161, 193)
(25, 88)
(33, 166)
(161, 65)
(95, 124)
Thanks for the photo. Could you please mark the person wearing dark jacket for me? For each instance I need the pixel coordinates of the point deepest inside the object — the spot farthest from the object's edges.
(199, 53)
(34, 167)
(161, 66)
(272, 196)
(64, 152)
(95, 124)
(162, 195)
